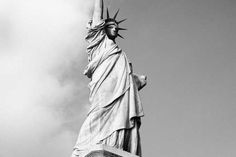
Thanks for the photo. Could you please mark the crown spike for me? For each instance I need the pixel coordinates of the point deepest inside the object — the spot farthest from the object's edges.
(120, 36)
(121, 21)
(108, 16)
(122, 29)
(102, 9)
(116, 14)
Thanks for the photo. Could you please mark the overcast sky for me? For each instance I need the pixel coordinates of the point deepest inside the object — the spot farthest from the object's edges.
(185, 47)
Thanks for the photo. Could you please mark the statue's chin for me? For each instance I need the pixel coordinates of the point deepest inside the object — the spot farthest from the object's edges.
(112, 37)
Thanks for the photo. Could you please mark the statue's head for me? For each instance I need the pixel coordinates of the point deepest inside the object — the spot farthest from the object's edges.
(112, 26)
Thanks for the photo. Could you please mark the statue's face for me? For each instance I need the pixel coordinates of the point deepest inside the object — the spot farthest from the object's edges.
(112, 30)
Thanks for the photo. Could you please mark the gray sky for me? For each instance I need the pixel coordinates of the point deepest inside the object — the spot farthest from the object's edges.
(185, 47)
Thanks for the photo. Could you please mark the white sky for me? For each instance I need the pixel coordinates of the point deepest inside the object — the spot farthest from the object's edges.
(185, 47)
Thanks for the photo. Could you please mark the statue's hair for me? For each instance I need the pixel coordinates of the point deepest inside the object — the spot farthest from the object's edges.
(110, 20)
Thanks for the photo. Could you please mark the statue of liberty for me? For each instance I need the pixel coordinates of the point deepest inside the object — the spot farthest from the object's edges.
(115, 114)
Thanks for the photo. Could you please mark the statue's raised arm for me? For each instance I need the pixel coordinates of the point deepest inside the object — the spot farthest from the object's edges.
(98, 12)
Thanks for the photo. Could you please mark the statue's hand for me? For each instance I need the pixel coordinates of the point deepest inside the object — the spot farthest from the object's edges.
(140, 80)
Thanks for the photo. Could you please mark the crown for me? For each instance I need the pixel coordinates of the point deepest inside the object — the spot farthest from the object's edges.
(110, 20)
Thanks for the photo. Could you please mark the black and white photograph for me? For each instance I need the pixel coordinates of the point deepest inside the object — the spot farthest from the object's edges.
(117, 78)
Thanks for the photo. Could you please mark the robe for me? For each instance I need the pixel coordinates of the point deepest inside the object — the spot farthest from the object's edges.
(115, 111)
